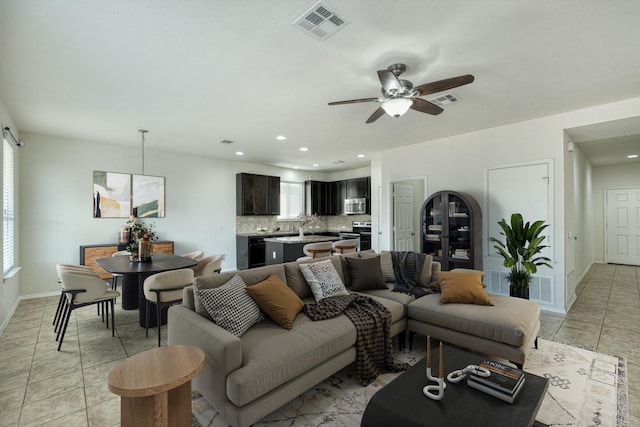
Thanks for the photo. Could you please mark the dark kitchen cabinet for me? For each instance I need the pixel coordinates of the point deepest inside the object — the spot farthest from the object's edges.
(257, 194)
(340, 195)
(250, 252)
(321, 198)
(359, 188)
(452, 230)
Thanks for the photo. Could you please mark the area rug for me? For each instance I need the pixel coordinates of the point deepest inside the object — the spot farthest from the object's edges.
(585, 389)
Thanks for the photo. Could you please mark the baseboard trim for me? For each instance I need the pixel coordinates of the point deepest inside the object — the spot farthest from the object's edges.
(20, 298)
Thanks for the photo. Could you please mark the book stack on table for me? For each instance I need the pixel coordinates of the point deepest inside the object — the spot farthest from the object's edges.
(504, 381)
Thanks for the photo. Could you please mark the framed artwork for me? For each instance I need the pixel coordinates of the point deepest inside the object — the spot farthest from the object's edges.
(148, 196)
(120, 195)
(111, 195)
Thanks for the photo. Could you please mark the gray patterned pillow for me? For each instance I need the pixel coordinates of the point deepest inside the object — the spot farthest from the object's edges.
(323, 279)
(231, 307)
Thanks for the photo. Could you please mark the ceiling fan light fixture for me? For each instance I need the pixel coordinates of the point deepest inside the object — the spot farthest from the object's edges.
(396, 107)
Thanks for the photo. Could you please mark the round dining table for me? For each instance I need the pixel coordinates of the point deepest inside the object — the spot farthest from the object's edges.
(133, 275)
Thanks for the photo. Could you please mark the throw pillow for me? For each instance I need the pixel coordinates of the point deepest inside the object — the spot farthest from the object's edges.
(231, 307)
(435, 285)
(462, 287)
(276, 299)
(365, 273)
(323, 279)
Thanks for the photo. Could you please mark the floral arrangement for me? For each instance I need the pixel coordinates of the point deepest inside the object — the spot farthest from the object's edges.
(139, 231)
(304, 219)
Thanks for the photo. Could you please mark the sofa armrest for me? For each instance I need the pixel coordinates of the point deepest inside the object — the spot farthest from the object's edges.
(223, 350)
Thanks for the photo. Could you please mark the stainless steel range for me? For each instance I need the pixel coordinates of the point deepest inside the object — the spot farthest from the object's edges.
(360, 230)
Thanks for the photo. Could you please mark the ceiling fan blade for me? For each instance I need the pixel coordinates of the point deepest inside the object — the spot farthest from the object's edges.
(353, 101)
(389, 81)
(445, 84)
(425, 107)
(376, 115)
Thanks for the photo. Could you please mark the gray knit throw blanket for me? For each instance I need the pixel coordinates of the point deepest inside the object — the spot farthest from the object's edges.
(374, 352)
(407, 267)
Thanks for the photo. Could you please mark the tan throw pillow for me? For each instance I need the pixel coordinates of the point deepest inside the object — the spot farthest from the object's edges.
(462, 287)
(276, 299)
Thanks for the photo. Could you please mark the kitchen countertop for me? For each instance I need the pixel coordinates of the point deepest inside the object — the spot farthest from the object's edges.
(269, 234)
(310, 238)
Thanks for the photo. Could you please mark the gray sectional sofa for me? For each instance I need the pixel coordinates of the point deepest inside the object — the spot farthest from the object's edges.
(249, 377)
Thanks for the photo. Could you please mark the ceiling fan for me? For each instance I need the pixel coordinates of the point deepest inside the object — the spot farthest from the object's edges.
(399, 95)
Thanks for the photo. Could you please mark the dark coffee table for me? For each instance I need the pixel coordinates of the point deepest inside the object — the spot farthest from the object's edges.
(401, 402)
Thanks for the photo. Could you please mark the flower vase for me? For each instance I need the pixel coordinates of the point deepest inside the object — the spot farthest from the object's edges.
(145, 250)
(301, 231)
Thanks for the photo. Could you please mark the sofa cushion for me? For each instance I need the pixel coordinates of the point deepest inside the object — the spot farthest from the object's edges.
(279, 302)
(365, 273)
(273, 356)
(231, 307)
(323, 279)
(250, 277)
(386, 264)
(509, 321)
(388, 294)
(462, 287)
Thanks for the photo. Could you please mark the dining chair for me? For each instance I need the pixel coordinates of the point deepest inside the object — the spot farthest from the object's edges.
(207, 266)
(316, 250)
(80, 289)
(58, 315)
(344, 246)
(165, 289)
(115, 276)
(196, 255)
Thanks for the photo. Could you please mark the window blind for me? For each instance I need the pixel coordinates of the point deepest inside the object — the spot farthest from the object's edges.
(291, 200)
(8, 208)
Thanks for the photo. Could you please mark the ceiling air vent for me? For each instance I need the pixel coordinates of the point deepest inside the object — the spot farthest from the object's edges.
(226, 141)
(339, 162)
(321, 21)
(445, 99)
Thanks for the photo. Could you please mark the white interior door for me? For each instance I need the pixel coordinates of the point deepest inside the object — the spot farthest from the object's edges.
(622, 225)
(404, 233)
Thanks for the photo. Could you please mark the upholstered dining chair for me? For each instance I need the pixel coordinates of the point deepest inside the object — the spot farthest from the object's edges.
(196, 255)
(208, 265)
(344, 246)
(115, 276)
(58, 315)
(80, 289)
(164, 289)
(316, 250)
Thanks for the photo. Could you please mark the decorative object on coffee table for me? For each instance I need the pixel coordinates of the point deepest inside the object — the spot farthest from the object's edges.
(435, 392)
(521, 252)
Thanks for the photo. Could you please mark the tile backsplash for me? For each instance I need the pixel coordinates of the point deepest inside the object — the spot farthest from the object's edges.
(250, 224)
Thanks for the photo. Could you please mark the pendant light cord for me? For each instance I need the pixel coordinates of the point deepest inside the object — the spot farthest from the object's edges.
(142, 131)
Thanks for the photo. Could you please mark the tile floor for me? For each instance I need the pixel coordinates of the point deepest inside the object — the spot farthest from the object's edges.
(41, 386)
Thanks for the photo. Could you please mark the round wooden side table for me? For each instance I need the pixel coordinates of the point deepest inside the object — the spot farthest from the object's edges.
(155, 386)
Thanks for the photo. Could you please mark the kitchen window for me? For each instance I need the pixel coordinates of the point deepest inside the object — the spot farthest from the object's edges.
(291, 200)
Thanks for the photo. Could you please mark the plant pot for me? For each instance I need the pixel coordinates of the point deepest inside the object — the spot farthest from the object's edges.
(517, 292)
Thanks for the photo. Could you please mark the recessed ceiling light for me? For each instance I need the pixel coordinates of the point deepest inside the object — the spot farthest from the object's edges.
(304, 149)
(239, 153)
(281, 137)
(295, 167)
(361, 155)
(632, 156)
(315, 165)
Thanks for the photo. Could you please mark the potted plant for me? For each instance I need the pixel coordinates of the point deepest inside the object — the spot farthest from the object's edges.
(521, 252)
(142, 238)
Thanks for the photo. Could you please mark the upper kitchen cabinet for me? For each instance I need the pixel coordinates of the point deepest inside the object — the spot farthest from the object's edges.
(322, 198)
(257, 194)
(358, 188)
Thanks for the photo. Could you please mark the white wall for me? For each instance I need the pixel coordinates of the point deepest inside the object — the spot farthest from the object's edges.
(458, 163)
(56, 202)
(605, 177)
(10, 288)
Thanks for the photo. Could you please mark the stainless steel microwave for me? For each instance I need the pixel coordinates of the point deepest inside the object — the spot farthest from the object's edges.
(355, 206)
